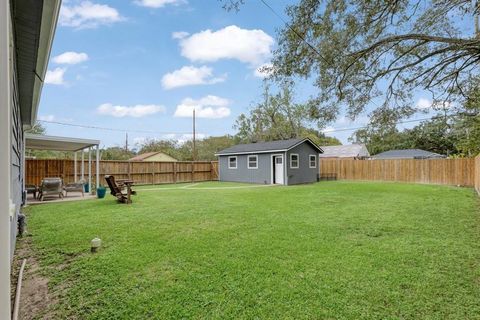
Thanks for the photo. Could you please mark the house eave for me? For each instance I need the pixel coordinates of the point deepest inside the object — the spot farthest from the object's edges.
(34, 29)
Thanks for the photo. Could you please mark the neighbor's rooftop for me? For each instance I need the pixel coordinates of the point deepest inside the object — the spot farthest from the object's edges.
(345, 151)
(408, 154)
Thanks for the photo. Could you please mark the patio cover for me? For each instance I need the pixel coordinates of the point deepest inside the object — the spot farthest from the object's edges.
(41, 142)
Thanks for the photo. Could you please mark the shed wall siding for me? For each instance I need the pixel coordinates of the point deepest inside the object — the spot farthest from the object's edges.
(304, 174)
(262, 175)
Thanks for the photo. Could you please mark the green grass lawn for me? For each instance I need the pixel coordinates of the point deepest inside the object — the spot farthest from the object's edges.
(332, 250)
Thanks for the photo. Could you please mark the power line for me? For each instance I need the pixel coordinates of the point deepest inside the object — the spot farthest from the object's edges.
(109, 129)
(402, 122)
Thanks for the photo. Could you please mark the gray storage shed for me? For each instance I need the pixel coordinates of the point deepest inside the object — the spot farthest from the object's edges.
(286, 162)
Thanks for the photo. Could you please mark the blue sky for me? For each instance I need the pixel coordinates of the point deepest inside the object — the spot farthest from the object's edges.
(144, 65)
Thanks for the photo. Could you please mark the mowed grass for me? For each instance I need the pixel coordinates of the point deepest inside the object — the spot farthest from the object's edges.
(332, 250)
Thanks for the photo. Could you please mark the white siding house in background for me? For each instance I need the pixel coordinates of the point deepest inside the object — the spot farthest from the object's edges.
(27, 28)
(349, 151)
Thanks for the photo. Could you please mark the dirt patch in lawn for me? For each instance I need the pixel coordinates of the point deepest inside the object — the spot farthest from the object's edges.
(36, 300)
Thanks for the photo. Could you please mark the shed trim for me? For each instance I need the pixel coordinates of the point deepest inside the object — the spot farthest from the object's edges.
(272, 151)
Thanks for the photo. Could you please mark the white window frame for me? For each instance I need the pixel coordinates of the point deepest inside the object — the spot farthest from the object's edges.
(298, 161)
(310, 161)
(256, 161)
(236, 162)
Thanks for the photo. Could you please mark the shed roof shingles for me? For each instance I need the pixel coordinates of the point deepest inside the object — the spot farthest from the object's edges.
(264, 146)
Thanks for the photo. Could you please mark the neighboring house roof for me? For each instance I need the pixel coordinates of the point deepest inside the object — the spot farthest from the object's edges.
(34, 28)
(407, 154)
(345, 151)
(147, 155)
(269, 146)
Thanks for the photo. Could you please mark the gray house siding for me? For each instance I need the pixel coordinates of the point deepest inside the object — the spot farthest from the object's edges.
(16, 154)
(304, 174)
(262, 175)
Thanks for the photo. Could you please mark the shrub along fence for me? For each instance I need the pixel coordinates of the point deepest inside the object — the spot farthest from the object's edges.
(464, 171)
(141, 172)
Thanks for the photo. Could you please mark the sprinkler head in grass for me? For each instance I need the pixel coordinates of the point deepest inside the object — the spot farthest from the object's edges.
(95, 244)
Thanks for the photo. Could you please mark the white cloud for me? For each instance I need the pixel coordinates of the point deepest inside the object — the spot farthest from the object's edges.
(424, 103)
(190, 75)
(248, 46)
(210, 106)
(88, 15)
(264, 70)
(55, 76)
(70, 57)
(158, 3)
(137, 111)
(48, 117)
(179, 34)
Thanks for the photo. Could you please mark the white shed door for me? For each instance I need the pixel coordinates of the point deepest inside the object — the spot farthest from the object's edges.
(279, 174)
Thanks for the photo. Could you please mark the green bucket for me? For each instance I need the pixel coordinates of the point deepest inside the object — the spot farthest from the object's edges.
(101, 191)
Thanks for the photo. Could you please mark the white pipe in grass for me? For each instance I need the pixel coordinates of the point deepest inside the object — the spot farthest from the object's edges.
(16, 306)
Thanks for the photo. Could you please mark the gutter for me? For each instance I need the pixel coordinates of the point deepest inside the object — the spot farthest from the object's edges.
(50, 13)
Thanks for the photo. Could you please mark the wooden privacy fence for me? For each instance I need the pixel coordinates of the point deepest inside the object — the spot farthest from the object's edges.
(477, 174)
(435, 171)
(464, 172)
(141, 172)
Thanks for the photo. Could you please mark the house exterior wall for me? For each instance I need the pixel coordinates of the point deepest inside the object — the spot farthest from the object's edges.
(5, 147)
(160, 157)
(16, 153)
(262, 175)
(304, 174)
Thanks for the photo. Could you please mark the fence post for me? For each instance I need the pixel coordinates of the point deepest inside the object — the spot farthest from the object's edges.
(153, 172)
(193, 171)
(174, 172)
(128, 170)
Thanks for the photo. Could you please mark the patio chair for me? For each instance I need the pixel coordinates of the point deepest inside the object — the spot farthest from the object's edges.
(75, 187)
(31, 188)
(116, 189)
(51, 186)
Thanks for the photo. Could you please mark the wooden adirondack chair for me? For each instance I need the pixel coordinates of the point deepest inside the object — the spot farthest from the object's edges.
(116, 190)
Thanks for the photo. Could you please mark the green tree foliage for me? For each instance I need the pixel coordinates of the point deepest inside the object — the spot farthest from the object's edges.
(278, 117)
(468, 125)
(116, 153)
(359, 49)
(207, 147)
(275, 117)
(457, 135)
(37, 128)
(319, 138)
(169, 147)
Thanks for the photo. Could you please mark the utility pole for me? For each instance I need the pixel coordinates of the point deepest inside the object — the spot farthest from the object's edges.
(126, 142)
(194, 149)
